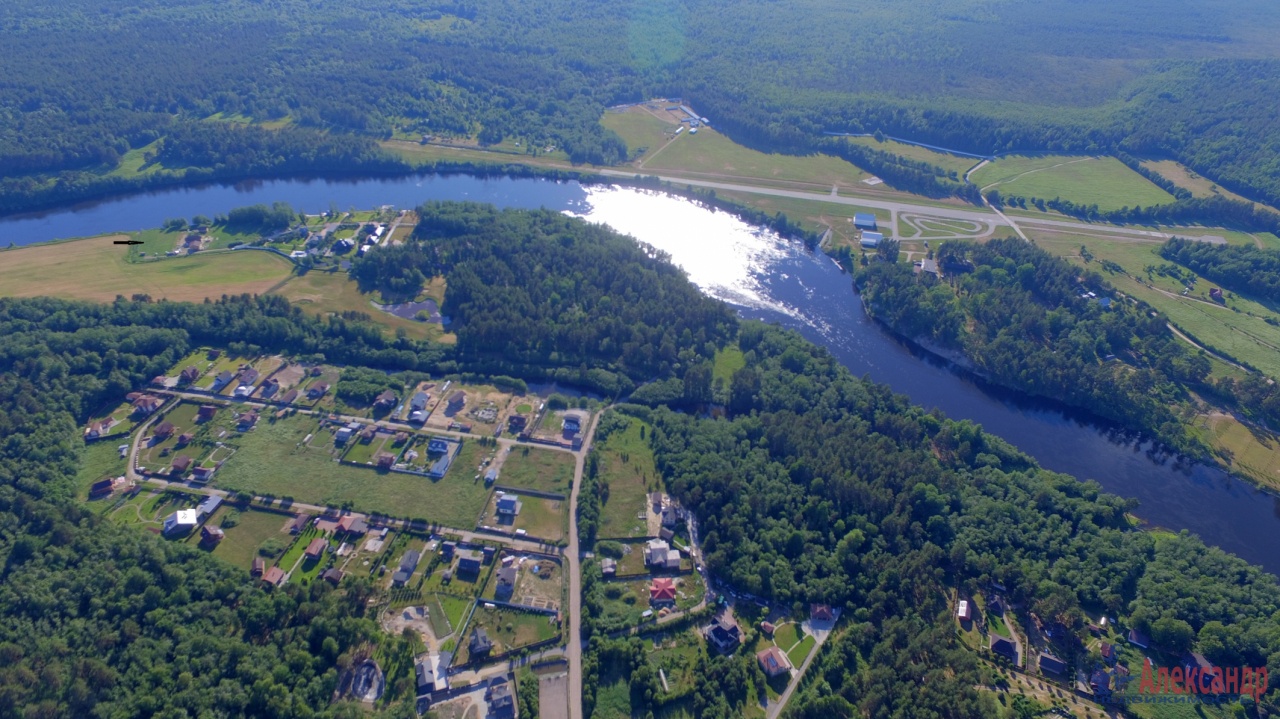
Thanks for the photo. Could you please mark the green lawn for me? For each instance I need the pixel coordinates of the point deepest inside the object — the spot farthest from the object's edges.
(1104, 181)
(508, 630)
(242, 541)
(133, 511)
(455, 608)
(543, 469)
(98, 460)
(787, 635)
(270, 461)
(295, 550)
(996, 624)
(800, 651)
(728, 360)
(543, 518)
(626, 465)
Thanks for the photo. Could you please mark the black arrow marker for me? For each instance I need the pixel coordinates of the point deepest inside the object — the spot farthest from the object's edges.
(127, 242)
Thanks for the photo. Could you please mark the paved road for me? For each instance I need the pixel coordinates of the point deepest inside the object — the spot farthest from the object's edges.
(820, 637)
(955, 213)
(574, 555)
(130, 468)
(257, 403)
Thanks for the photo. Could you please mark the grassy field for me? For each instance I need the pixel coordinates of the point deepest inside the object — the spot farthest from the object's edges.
(728, 360)
(98, 460)
(626, 465)
(711, 154)
(644, 133)
(542, 469)
(270, 461)
(945, 160)
(325, 293)
(1248, 338)
(787, 635)
(95, 269)
(498, 155)
(812, 215)
(1104, 181)
(240, 546)
(1254, 454)
(798, 653)
(1188, 179)
(543, 518)
(508, 629)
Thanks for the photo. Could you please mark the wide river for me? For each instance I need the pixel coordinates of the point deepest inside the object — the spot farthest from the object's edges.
(773, 280)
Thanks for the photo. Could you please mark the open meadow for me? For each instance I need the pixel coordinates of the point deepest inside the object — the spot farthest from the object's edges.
(272, 459)
(95, 269)
(252, 529)
(709, 154)
(328, 293)
(1238, 328)
(545, 470)
(1103, 181)
(643, 131)
(627, 468)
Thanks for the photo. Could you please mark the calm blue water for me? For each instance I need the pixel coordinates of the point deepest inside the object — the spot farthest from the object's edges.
(148, 210)
(779, 282)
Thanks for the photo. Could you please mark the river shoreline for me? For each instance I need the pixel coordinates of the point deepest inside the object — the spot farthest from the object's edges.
(781, 282)
(961, 363)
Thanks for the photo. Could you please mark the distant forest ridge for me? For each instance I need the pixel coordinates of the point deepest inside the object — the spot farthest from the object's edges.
(128, 92)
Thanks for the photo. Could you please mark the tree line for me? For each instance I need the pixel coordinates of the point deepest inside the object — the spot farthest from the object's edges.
(820, 487)
(1247, 270)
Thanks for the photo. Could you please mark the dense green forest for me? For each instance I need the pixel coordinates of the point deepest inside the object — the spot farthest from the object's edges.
(169, 84)
(824, 487)
(1020, 317)
(566, 293)
(1248, 270)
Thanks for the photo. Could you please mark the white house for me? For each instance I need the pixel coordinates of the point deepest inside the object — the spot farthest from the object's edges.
(181, 521)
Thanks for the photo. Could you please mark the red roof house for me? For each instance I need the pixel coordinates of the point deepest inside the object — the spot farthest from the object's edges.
(662, 591)
(274, 576)
(315, 550)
